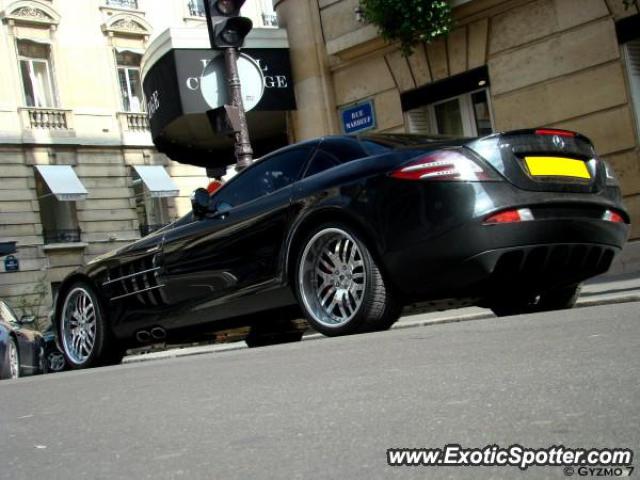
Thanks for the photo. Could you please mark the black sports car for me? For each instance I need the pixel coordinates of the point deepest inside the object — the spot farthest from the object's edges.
(347, 230)
(21, 348)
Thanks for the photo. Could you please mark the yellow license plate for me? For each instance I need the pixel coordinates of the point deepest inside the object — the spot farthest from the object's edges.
(557, 167)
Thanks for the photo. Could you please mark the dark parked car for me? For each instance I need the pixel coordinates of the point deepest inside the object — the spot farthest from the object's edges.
(348, 230)
(21, 348)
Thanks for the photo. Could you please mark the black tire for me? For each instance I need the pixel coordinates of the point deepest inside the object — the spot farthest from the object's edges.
(264, 333)
(104, 348)
(376, 308)
(263, 340)
(558, 299)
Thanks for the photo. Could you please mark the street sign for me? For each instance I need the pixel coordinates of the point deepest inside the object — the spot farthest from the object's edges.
(214, 82)
(359, 117)
(11, 264)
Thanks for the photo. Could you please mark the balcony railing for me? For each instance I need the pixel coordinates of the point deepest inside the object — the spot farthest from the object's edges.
(196, 8)
(46, 118)
(269, 19)
(147, 229)
(133, 122)
(132, 4)
(62, 236)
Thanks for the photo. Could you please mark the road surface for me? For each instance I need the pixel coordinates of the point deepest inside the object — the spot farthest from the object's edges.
(332, 408)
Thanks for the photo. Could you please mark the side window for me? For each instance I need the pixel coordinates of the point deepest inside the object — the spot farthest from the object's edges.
(268, 176)
(321, 161)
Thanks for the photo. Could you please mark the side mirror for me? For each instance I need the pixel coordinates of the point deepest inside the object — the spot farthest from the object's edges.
(27, 320)
(200, 202)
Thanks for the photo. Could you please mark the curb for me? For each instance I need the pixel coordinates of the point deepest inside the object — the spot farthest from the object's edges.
(187, 352)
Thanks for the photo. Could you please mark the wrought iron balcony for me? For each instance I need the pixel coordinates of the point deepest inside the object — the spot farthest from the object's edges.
(62, 236)
(132, 4)
(196, 8)
(269, 19)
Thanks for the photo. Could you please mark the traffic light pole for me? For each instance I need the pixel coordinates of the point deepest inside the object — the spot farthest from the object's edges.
(243, 150)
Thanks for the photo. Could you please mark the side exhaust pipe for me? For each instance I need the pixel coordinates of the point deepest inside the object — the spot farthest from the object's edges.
(143, 336)
(158, 333)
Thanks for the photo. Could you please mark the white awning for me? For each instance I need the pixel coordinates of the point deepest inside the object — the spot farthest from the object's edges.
(63, 182)
(157, 181)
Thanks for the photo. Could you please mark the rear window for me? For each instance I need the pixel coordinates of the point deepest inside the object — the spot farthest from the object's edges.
(345, 149)
(377, 144)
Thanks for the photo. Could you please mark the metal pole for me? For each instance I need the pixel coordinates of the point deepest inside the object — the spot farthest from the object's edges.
(243, 150)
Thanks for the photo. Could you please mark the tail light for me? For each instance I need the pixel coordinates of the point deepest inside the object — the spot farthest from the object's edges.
(611, 216)
(510, 216)
(553, 131)
(444, 165)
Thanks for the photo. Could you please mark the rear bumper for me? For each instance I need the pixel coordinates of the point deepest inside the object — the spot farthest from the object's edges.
(479, 260)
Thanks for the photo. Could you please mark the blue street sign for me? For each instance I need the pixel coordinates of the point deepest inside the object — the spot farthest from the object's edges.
(358, 117)
(11, 264)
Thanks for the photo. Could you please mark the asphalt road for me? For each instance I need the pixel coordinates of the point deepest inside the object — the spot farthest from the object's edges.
(331, 408)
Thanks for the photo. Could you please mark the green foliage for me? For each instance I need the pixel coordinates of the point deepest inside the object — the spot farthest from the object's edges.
(630, 3)
(408, 21)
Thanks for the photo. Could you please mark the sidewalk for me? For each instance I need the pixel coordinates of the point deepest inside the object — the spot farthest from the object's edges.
(598, 291)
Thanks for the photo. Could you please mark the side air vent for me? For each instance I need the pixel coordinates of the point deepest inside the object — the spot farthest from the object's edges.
(139, 279)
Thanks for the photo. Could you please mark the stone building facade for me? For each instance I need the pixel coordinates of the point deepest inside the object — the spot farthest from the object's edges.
(508, 64)
(71, 98)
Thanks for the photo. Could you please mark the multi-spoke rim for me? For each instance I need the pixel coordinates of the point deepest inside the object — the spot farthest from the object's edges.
(55, 361)
(332, 277)
(14, 363)
(78, 325)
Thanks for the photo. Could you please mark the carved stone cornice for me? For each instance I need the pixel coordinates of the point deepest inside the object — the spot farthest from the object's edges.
(31, 12)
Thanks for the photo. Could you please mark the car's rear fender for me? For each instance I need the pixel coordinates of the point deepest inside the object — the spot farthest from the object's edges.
(312, 218)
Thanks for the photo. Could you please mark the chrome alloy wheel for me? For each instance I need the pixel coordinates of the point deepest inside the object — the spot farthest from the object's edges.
(55, 361)
(78, 325)
(14, 362)
(332, 277)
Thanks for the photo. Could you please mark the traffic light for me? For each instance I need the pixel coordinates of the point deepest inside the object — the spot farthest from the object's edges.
(226, 27)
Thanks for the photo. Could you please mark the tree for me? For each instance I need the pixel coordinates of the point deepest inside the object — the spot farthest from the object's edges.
(408, 21)
(411, 22)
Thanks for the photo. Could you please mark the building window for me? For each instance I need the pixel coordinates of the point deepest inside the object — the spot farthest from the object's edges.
(35, 70)
(466, 115)
(153, 212)
(196, 8)
(459, 106)
(59, 218)
(129, 81)
(132, 4)
(632, 57)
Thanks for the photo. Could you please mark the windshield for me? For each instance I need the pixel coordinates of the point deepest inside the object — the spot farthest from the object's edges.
(8, 314)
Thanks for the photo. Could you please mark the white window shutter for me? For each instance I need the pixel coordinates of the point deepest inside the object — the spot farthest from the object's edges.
(417, 121)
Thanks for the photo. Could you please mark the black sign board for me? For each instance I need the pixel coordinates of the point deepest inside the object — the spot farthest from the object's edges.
(177, 108)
